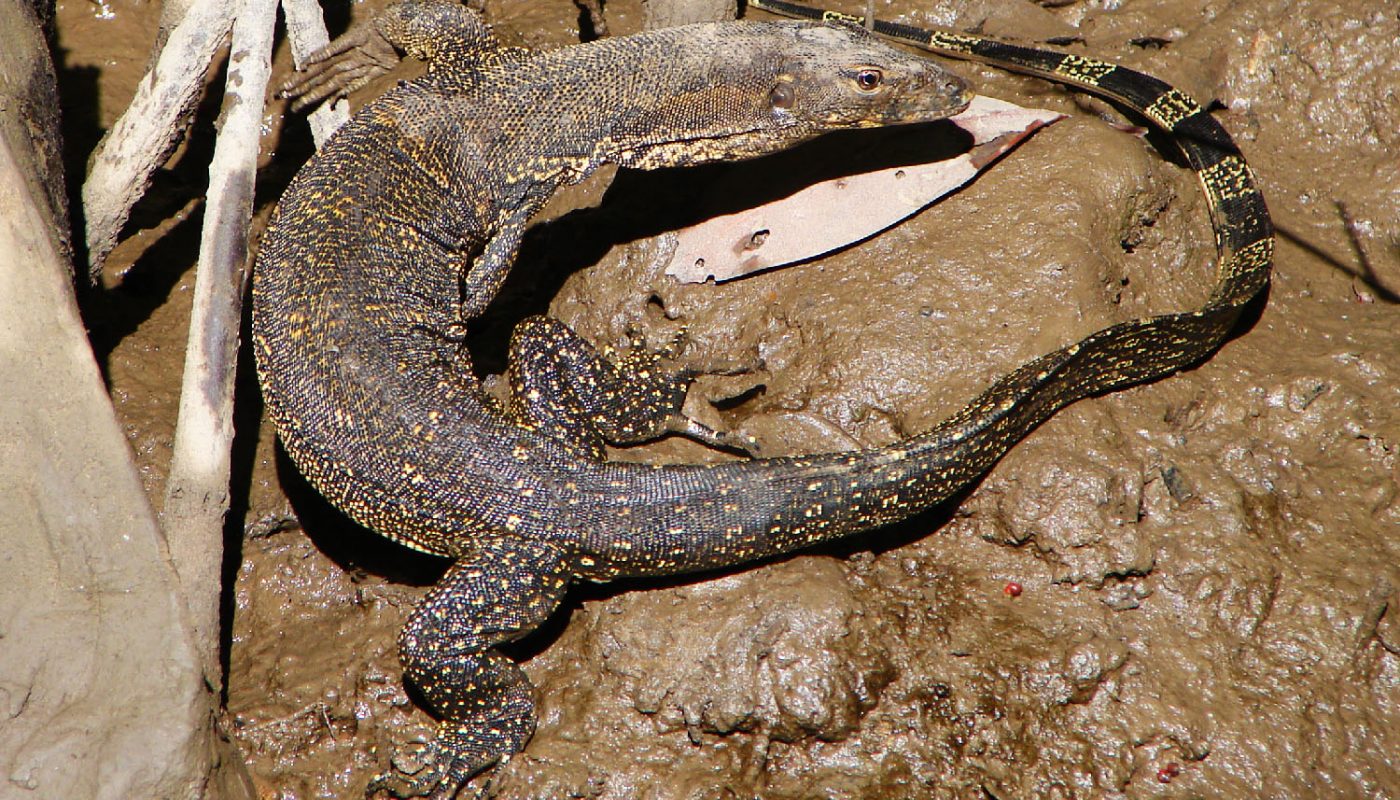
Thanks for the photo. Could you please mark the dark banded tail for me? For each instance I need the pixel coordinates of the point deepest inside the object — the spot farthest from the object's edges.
(1244, 234)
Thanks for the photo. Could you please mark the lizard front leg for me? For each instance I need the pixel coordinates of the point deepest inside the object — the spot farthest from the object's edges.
(496, 595)
(483, 277)
(443, 33)
(564, 388)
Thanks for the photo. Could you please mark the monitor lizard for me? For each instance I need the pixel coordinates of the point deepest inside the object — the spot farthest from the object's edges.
(400, 231)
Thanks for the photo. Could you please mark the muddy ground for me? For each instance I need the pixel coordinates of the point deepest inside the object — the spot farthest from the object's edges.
(1209, 566)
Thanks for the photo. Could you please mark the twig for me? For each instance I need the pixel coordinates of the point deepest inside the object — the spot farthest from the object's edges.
(1356, 234)
(150, 127)
(197, 491)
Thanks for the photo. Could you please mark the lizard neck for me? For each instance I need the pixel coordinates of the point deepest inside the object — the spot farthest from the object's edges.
(681, 96)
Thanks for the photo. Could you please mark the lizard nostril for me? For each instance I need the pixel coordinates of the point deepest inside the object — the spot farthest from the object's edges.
(960, 91)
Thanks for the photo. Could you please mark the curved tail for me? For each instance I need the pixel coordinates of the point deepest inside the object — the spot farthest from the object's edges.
(778, 505)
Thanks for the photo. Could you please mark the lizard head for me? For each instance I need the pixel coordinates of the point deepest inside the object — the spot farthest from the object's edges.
(840, 76)
(745, 89)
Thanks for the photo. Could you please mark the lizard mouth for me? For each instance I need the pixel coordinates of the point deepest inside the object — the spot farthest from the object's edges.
(736, 145)
(938, 96)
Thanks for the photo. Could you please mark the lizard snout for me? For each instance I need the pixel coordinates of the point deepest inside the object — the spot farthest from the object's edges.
(931, 93)
(948, 92)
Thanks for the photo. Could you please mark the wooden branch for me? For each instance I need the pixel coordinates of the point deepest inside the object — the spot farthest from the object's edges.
(197, 491)
(151, 126)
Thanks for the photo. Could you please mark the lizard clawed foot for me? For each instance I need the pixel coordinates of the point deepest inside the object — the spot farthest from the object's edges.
(644, 363)
(346, 64)
(427, 769)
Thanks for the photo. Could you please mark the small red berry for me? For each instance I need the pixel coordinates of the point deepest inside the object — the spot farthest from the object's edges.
(1012, 589)
(1171, 770)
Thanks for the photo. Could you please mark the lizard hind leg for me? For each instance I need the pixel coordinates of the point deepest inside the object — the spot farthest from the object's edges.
(482, 698)
(565, 388)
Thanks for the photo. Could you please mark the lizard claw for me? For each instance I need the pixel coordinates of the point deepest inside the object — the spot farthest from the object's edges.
(346, 64)
(724, 440)
(673, 348)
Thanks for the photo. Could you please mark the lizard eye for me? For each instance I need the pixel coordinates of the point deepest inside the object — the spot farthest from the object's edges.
(781, 96)
(868, 79)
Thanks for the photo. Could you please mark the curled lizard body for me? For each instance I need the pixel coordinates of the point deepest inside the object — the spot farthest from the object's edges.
(395, 237)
